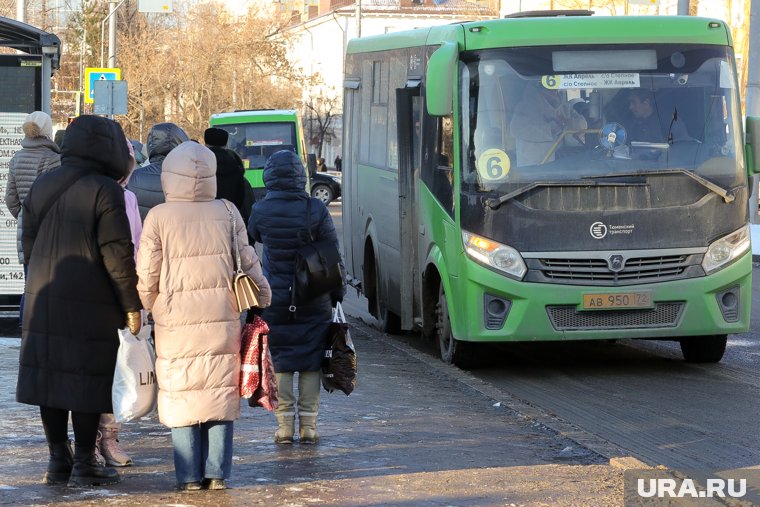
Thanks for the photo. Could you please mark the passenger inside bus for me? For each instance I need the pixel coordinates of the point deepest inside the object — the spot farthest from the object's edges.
(648, 122)
(540, 118)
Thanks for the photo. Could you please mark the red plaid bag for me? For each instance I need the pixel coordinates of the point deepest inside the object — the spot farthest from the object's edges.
(257, 376)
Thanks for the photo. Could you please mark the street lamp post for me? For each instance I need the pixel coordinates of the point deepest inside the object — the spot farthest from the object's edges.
(111, 34)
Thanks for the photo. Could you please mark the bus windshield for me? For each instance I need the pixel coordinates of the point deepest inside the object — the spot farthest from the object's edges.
(571, 113)
(255, 142)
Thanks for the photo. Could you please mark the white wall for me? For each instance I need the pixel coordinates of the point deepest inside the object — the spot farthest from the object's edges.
(321, 45)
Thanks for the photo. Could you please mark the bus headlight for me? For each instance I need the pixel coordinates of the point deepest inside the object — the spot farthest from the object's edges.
(494, 255)
(723, 251)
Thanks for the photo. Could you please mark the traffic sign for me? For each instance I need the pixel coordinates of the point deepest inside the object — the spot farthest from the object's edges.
(92, 74)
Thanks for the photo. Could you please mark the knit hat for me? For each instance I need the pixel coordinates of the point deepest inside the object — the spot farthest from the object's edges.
(215, 137)
(38, 124)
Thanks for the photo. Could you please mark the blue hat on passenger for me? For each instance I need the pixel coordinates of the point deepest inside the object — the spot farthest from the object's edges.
(284, 171)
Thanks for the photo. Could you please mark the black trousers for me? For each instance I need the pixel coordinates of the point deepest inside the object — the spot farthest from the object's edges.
(55, 422)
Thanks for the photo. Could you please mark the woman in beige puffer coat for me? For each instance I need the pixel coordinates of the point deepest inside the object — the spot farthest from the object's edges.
(185, 266)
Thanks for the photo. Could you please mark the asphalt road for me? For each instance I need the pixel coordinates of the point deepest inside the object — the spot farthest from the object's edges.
(635, 398)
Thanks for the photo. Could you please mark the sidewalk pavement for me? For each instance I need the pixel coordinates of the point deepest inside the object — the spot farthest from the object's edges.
(411, 434)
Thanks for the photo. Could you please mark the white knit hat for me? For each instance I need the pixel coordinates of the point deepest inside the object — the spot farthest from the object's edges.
(38, 124)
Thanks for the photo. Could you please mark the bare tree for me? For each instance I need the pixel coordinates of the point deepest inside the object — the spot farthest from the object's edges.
(320, 110)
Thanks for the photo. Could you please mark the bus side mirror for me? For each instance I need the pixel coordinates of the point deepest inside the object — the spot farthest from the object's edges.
(439, 79)
(752, 145)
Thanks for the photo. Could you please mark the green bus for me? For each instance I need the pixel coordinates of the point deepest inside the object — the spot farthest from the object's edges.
(256, 134)
(501, 184)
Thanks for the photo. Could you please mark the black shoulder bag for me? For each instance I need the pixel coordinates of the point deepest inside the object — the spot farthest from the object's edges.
(317, 269)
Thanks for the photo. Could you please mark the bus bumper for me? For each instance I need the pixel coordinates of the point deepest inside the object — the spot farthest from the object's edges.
(552, 312)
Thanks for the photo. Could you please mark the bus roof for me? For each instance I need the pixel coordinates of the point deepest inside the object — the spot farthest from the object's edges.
(257, 115)
(550, 31)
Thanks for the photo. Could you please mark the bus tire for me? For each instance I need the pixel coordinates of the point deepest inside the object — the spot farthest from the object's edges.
(387, 321)
(704, 349)
(453, 351)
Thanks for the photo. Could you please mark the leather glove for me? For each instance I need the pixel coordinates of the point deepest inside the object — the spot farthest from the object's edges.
(134, 322)
(252, 313)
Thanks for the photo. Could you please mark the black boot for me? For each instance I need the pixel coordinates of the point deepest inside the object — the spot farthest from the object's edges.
(88, 472)
(59, 466)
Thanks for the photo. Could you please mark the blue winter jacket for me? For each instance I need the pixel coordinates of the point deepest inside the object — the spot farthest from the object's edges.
(279, 222)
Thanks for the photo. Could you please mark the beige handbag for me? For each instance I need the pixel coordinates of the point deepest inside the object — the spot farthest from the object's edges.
(246, 290)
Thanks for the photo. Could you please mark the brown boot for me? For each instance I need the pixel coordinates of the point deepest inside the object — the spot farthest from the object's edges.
(111, 450)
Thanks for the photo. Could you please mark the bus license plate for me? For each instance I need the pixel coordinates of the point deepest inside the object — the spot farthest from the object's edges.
(617, 300)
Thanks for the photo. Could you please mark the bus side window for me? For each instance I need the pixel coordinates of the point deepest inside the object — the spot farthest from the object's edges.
(443, 176)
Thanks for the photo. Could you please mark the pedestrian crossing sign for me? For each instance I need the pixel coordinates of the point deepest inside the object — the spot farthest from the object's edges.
(92, 74)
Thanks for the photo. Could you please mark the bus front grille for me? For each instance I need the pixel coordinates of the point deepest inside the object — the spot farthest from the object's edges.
(596, 271)
(568, 318)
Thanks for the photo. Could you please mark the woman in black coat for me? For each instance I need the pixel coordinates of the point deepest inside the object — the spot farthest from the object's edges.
(81, 290)
(296, 339)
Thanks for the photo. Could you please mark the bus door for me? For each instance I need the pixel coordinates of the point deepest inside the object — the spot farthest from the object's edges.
(408, 106)
(353, 234)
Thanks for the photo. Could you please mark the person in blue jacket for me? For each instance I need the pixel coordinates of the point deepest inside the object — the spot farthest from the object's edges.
(296, 339)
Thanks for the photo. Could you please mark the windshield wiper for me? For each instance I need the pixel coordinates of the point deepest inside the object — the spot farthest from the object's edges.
(495, 202)
(725, 193)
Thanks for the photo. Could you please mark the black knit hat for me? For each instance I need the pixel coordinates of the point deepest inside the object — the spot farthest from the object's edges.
(215, 137)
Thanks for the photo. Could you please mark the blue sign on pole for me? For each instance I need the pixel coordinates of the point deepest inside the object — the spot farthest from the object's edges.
(98, 74)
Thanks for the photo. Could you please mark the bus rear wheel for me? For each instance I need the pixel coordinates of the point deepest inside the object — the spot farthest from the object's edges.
(704, 349)
(453, 351)
(387, 321)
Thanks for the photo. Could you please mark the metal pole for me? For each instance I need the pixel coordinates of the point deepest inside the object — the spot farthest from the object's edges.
(21, 10)
(358, 18)
(112, 35)
(103, 32)
(683, 7)
(752, 95)
(81, 67)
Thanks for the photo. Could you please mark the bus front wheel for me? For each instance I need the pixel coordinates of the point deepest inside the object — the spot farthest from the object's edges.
(704, 349)
(453, 351)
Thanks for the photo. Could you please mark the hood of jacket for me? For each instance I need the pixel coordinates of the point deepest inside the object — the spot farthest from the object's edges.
(163, 138)
(96, 142)
(189, 173)
(284, 172)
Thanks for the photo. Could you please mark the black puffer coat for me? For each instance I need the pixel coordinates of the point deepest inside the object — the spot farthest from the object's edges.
(82, 278)
(145, 182)
(230, 180)
(279, 222)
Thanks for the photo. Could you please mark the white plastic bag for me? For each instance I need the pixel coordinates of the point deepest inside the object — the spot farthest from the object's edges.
(134, 389)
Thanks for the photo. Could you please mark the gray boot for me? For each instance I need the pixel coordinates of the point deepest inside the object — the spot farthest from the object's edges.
(285, 411)
(60, 463)
(309, 384)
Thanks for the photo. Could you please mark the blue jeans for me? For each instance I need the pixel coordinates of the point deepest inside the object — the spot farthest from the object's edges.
(202, 451)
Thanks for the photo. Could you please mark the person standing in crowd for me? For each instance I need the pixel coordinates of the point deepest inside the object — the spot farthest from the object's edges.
(185, 267)
(230, 174)
(81, 290)
(38, 154)
(108, 448)
(145, 182)
(297, 341)
(321, 167)
(338, 163)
